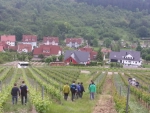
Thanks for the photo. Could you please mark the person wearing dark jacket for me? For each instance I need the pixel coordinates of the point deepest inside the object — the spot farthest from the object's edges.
(82, 89)
(14, 92)
(73, 90)
(24, 90)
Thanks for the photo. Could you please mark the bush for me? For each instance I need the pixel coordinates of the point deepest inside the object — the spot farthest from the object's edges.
(115, 64)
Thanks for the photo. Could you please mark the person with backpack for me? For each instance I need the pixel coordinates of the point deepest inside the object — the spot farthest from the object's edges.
(78, 93)
(66, 90)
(24, 90)
(73, 90)
(15, 92)
(92, 89)
(82, 90)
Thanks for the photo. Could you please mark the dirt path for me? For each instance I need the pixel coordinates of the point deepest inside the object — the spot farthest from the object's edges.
(105, 103)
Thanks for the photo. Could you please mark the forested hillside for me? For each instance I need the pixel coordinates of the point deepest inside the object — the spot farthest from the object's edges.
(68, 18)
(132, 5)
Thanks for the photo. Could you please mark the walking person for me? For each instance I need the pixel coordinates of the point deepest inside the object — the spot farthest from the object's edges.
(66, 90)
(82, 89)
(73, 90)
(78, 90)
(24, 90)
(92, 89)
(15, 92)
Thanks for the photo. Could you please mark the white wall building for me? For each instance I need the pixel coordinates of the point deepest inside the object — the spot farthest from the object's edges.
(30, 39)
(127, 58)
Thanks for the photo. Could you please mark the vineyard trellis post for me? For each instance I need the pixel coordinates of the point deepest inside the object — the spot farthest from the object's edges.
(120, 90)
(42, 92)
(1, 85)
(127, 102)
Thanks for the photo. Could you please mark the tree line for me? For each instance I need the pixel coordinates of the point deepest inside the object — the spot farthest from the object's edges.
(132, 5)
(66, 18)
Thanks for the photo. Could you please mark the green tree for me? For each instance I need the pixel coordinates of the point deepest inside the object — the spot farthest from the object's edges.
(48, 60)
(61, 57)
(30, 57)
(41, 56)
(95, 42)
(107, 42)
(54, 58)
(143, 31)
(139, 48)
(99, 56)
(147, 58)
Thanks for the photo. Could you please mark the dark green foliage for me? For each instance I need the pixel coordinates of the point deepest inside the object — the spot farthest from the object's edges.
(147, 58)
(41, 56)
(133, 5)
(115, 64)
(60, 58)
(139, 48)
(67, 18)
(48, 60)
(107, 43)
(6, 57)
(99, 56)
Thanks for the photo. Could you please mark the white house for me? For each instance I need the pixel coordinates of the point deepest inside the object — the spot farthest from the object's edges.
(74, 42)
(50, 40)
(30, 39)
(126, 57)
(9, 39)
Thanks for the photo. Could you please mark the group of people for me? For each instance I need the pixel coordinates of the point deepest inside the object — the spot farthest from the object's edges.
(77, 90)
(22, 91)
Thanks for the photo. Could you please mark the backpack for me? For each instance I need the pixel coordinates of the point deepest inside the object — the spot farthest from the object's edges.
(79, 87)
(73, 87)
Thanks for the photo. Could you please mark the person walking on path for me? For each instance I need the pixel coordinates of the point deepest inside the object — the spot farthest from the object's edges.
(66, 90)
(24, 90)
(73, 90)
(92, 89)
(82, 89)
(78, 90)
(15, 92)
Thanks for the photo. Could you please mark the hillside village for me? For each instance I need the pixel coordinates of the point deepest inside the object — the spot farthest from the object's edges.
(78, 51)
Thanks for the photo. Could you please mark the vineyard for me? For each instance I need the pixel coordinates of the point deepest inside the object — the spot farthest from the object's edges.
(45, 90)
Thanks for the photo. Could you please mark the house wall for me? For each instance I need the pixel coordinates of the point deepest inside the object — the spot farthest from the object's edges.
(10, 43)
(129, 62)
(51, 43)
(32, 43)
(76, 45)
(35, 56)
(70, 60)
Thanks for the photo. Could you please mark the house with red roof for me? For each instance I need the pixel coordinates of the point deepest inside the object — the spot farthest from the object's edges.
(20, 48)
(5, 46)
(50, 40)
(47, 50)
(76, 57)
(74, 42)
(93, 53)
(30, 39)
(105, 52)
(8, 39)
(26, 48)
(1, 49)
